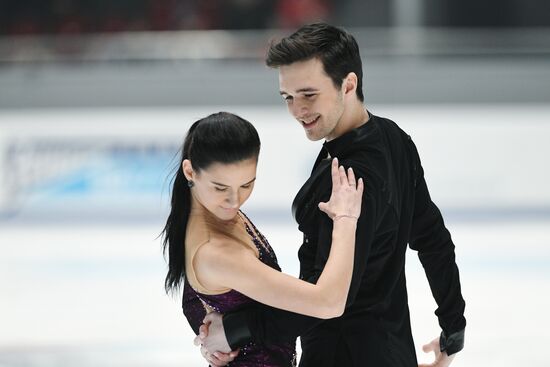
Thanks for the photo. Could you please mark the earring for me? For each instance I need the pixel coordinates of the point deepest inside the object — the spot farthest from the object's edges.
(190, 183)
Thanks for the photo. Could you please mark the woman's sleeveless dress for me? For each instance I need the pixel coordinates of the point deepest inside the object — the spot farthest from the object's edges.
(251, 355)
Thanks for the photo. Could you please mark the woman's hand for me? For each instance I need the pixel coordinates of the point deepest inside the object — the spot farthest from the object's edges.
(345, 199)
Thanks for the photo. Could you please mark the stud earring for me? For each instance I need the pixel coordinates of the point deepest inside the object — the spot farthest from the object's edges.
(190, 183)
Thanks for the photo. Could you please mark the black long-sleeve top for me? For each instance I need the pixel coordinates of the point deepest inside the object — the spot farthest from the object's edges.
(397, 211)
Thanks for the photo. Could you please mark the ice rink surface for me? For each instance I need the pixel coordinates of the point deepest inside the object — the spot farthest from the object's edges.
(92, 296)
(89, 292)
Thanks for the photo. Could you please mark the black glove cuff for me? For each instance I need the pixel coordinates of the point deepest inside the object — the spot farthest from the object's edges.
(236, 329)
(451, 343)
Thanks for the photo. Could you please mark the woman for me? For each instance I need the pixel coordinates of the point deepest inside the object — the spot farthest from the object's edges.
(223, 260)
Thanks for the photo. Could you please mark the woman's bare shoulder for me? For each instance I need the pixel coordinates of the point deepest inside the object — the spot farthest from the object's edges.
(222, 249)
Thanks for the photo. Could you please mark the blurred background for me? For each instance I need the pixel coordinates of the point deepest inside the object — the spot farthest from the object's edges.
(96, 97)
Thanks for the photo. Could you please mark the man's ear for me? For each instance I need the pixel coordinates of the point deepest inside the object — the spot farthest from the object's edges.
(350, 83)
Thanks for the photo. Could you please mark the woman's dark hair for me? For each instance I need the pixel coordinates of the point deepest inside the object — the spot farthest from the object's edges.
(219, 138)
(336, 48)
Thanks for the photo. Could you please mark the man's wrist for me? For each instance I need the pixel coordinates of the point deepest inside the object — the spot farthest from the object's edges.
(451, 343)
(236, 329)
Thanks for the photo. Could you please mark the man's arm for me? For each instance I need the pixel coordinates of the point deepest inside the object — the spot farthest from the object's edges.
(436, 253)
(267, 325)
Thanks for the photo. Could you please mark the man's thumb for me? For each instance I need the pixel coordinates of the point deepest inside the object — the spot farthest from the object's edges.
(208, 318)
(203, 331)
(427, 348)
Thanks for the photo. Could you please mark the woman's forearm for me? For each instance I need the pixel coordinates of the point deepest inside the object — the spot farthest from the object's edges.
(334, 282)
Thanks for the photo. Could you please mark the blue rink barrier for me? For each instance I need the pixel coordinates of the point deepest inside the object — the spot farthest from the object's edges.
(112, 180)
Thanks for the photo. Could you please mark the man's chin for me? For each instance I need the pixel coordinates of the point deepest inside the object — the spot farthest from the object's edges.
(312, 136)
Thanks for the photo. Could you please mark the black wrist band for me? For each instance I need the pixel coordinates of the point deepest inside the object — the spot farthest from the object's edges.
(452, 343)
(236, 329)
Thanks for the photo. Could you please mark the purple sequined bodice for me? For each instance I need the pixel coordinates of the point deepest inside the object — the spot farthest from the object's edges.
(251, 355)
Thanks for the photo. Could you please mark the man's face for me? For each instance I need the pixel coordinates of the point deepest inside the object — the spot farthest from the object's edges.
(311, 98)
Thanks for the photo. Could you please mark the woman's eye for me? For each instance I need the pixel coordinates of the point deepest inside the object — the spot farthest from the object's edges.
(220, 189)
(246, 186)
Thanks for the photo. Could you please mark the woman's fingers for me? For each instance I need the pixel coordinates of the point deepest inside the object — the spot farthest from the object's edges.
(360, 186)
(335, 174)
(351, 177)
(343, 176)
(340, 177)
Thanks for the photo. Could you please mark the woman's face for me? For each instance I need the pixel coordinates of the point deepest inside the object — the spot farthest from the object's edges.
(223, 188)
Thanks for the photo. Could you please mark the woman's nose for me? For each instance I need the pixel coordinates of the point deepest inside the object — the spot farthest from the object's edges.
(233, 199)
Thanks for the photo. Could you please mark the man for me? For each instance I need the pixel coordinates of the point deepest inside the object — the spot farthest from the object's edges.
(320, 79)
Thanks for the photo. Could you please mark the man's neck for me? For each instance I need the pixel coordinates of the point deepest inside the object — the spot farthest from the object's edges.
(356, 116)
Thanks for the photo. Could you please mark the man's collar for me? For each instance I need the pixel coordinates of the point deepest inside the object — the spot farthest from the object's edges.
(338, 145)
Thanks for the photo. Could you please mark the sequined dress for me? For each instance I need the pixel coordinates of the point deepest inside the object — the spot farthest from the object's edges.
(251, 355)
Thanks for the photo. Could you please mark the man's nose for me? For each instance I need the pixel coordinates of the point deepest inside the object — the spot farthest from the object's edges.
(300, 110)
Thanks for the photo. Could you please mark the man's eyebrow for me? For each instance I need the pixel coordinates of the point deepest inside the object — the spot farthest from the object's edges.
(220, 184)
(306, 89)
(301, 90)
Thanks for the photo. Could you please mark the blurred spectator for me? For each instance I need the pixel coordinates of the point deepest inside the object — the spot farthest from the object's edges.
(248, 14)
(90, 16)
(294, 13)
(487, 13)
(67, 17)
(22, 17)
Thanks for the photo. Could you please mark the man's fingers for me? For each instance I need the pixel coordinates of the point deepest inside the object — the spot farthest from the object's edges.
(432, 346)
(211, 359)
(224, 357)
(197, 341)
(203, 333)
(215, 361)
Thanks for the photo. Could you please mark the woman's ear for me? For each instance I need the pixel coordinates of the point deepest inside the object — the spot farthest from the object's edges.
(188, 170)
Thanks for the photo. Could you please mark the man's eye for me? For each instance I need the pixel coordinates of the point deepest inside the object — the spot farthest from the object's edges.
(287, 98)
(309, 95)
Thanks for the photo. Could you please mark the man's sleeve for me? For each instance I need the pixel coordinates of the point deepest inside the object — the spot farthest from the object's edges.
(432, 240)
(265, 324)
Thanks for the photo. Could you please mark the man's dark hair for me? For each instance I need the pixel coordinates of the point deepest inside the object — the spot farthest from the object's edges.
(336, 48)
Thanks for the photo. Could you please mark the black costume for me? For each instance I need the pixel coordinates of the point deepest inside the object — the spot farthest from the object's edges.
(397, 210)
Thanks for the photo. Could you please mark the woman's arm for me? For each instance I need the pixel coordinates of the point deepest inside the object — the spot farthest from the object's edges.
(224, 264)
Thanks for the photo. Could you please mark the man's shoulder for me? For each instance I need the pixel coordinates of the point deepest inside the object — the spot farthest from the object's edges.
(387, 124)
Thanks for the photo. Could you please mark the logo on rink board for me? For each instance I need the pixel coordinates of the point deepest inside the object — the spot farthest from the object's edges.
(64, 176)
